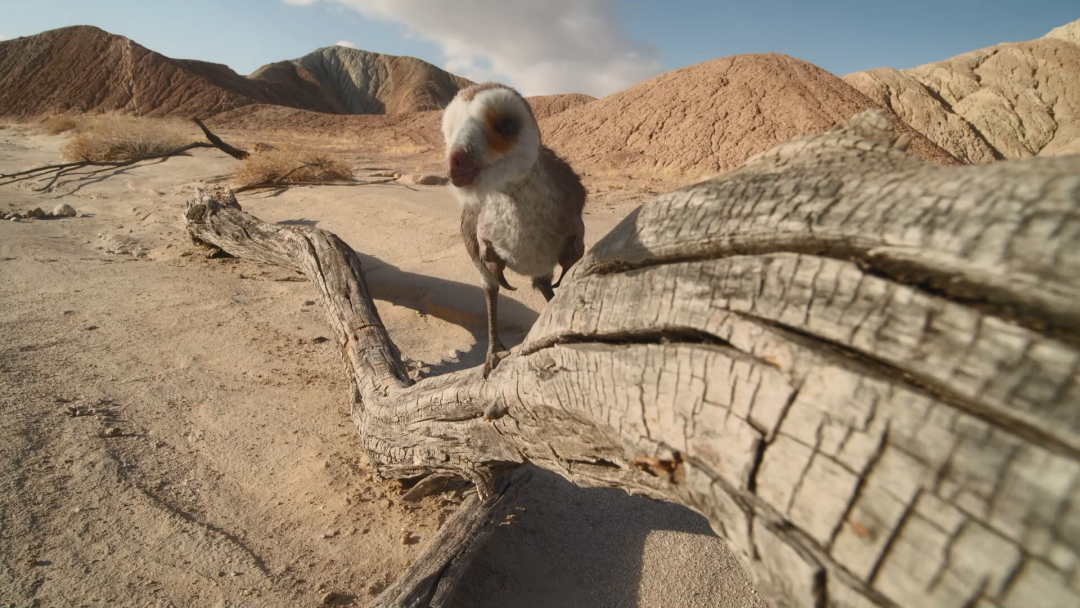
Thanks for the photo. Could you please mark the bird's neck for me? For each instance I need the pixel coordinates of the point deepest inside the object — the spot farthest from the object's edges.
(535, 179)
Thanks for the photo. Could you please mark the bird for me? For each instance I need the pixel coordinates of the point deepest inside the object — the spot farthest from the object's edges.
(521, 203)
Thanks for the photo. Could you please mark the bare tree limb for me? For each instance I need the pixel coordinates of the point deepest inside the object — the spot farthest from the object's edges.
(236, 153)
(277, 183)
(70, 169)
(861, 368)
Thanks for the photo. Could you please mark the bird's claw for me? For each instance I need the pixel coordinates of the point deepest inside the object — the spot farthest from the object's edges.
(492, 361)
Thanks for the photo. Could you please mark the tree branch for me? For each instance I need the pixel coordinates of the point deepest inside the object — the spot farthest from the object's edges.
(777, 349)
(278, 183)
(236, 153)
(69, 169)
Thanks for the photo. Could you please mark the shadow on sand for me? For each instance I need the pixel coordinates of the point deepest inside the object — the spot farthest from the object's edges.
(572, 547)
(451, 301)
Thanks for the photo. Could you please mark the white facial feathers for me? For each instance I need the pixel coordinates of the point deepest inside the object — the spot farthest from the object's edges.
(490, 127)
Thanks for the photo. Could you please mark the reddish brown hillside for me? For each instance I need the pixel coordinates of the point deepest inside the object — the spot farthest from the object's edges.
(550, 105)
(86, 67)
(406, 135)
(709, 117)
(287, 73)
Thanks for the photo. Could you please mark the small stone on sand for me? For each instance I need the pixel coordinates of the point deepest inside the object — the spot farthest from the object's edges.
(423, 179)
(64, 210)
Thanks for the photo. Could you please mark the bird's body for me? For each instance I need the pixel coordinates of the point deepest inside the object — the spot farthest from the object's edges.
(520, 203)
(522, 224)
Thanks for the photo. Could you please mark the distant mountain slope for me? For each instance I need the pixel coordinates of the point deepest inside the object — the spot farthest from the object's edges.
(1011, 100)
(370, 83)
(1007, 101)
(712, 116)
(550, 105)
(88, 67)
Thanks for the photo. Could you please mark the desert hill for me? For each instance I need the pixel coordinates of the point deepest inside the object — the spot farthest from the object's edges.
(370, 83)
(1070, 32)
(550, 105)
(1011, 100)
(88, 68)
(711, 116)
(695, 120)
(407, 134)
(83, 66)
(290, 75)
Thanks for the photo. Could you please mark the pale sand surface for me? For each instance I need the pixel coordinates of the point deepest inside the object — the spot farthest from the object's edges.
(237, 480)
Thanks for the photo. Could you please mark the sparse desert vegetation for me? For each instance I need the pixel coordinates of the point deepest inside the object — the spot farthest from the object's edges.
(408, 149)
(292, 163)
(59, 123)
(111, 137)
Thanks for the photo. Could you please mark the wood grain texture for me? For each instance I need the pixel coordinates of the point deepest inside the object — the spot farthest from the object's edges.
(433, 576)
(860, 368)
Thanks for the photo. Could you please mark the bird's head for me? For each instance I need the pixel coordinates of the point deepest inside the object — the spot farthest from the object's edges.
(491, 137)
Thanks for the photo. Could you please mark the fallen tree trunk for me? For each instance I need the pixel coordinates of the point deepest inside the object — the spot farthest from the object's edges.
(862, 369)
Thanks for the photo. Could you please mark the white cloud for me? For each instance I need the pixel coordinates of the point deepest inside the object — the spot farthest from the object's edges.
(541, 47)
(351, 45)
(3, 37)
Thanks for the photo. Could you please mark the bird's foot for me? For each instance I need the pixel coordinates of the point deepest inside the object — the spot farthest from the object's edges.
(493, 359)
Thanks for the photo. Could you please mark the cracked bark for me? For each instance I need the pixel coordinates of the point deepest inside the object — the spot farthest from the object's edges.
(825, 352)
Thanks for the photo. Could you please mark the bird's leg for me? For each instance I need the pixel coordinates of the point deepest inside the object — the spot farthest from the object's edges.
(495, 346)
(572, 250)
(543, 285)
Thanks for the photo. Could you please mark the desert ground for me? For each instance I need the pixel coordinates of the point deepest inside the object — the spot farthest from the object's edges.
(235, 478)
(174, 426)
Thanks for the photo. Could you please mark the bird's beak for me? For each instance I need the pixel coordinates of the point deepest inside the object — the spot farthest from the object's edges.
(461, 168)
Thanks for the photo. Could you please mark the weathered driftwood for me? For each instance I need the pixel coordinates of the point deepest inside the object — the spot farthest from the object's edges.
(862, 369)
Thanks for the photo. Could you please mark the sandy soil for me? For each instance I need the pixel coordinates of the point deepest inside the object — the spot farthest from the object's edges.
(236, 479)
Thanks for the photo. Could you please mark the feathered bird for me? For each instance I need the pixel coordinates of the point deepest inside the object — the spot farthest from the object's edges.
(520, 203)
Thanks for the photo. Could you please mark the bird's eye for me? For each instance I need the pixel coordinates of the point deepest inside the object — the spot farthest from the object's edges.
(506, 126)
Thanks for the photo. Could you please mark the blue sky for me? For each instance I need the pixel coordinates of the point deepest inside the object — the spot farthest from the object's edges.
(556, 46)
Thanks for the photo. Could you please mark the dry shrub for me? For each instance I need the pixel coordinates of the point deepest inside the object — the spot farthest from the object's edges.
(119, 137)
(294, 163)
(409, 149)
(61, 123)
